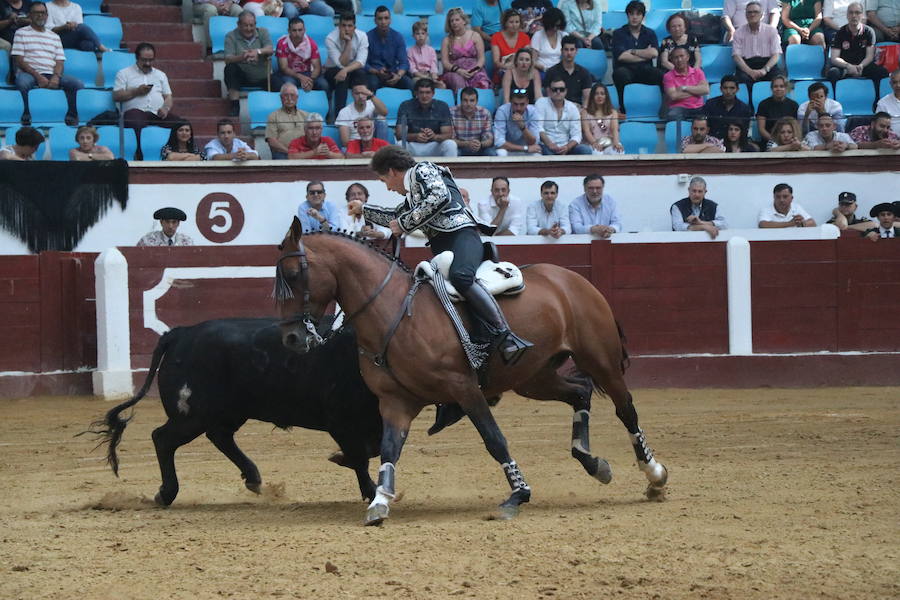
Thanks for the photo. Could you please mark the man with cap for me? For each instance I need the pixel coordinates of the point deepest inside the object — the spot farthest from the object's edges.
(884, 212)
(844, 215)
(169, 219)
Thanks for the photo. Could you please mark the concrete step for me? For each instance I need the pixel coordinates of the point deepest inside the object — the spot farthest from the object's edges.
(146, 13)
(175, 50)
(203, 107)
(188, 88)
(185, 69)
(205, 127)
(156, 33)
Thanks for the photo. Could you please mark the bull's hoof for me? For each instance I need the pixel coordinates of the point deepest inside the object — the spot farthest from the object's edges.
(376, 514)
(253, 486)
(338, 458)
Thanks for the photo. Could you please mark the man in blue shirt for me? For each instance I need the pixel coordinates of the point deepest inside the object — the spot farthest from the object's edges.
(486, 18)
(387, 64)
(594, 212)
(516, 129)
(634, 48)
(315, 213)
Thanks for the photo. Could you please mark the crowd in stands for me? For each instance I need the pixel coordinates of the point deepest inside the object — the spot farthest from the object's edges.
(522, 58)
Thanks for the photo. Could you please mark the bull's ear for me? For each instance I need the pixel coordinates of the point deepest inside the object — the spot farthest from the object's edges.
(296, 230)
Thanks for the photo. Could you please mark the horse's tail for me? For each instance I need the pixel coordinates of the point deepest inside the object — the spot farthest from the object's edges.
(626, 360)
(110, 428)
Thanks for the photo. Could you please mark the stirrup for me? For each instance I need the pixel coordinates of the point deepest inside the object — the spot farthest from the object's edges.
(512, 347)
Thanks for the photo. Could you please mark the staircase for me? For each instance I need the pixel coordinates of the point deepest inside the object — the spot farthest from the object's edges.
(198, 97)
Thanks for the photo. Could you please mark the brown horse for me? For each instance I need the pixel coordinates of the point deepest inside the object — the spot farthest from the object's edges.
(412, 357)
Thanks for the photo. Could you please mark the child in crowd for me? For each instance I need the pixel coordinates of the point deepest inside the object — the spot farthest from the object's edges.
(422, 57)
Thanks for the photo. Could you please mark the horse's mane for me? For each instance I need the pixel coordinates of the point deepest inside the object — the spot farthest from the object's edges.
(341, 233)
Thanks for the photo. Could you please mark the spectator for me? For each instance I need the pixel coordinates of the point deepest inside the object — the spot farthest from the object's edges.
(144, 93)
(877, 135)
(726, 108)
(254, 6)
(600, 123)
(86, 137)
(181, 144)
(472, 128)
(697, 212)
(783, 212)
(425, 123)
(285, 124)
(594, 212)
(247, 52)
(756, 48)
(312, 144)
(66, 20)
(516, 129)
(585, 20)
(295, 8)
(422, 57)
(13, 16)
(853, 50)
(560, 122)
(834, 16)
(365, 104)
(734, 15)
(486, 18)
(523, 76)
(737, 138)
(774, 107)
(206, 9)
(169, 220)
(679, 37)
(786, 136)
(39, 58)
(462, 54)
(506, 42)
(315, 213)
(884, 17)
(886, 229)
(890, 104)
(386, 65)
(28, 140)
(819, 103)
(578, 79)
(546, 216)
(531, 12)
(365, 144)
(826, 138)
(502, 210)
(700, 142)
(634, 50)
(546, 41)
(348, 51)
(685, 86)
(225, 146)
(801, 20)
(299, 62)
(356, 223)
(844, 216)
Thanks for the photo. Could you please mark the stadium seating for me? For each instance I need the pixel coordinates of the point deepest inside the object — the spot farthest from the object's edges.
(857, 96)
(487, 99)
(669, 5)
(91, 103)
(369, 6)
(11, 107)
(276, 26)
(615, 19)
(656, 20)
(109, 137)
(707, 5)
(108, 29)
(260, 104)
(614, 6)
(638, 138)
(219, 27)
(885, 88)
(642, 101)
(113, 62)
(317, 27)
(760, 91)
(152, 141)
(804, 61)
(333, 132)
(436, 33)
(90, 7)
(367, 23)
(594, 61)
(82, 65)
(743, 94)
(392, 99)
(403, 25)
(717, 62)
(62, 139)
(799, 90)
(420, 8)
(673, 141)
(446, 95)
(4, 69)
(11, 139)
(48, 107)
(313, 101)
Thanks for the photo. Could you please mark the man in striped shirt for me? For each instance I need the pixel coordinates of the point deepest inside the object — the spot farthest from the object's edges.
(39, 59)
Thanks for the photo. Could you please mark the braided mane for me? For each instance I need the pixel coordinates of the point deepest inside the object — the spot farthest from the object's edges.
(341, 233)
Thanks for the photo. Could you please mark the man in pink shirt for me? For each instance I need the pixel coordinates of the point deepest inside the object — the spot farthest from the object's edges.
(685, 87)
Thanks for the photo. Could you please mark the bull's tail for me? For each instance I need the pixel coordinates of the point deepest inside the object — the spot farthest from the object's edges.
(110, 428)
(626, 360)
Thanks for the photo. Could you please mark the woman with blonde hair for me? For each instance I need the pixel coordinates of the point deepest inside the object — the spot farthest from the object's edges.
(507, 41)
(523, 76)
(600, 122)
(462, 54)
(786, 136)
(87, 137)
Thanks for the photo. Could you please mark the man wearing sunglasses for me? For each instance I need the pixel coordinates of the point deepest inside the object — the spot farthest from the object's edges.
(315, 213)
(560, 122)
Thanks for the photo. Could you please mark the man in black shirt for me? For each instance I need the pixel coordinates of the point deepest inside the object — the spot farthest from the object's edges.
(844, 216)
(726, 108)
(578, 79)
(853, 50)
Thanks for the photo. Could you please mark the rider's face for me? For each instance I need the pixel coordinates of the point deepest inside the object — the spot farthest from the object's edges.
(393, 179)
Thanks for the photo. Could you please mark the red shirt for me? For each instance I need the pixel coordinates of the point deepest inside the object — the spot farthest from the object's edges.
(300, 145)
(355, 146)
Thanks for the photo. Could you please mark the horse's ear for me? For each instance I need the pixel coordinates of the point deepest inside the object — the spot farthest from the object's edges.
(296, 230)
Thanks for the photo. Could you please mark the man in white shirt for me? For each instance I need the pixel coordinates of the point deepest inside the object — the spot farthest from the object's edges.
(348, 50)
(891, 103)
(502, 210)
(547, 216)
(225, 146)
(819, 103)
(826, 138)
(66, 19)
(144, 93)
(365, 104)
(782, 212)
(559, 121)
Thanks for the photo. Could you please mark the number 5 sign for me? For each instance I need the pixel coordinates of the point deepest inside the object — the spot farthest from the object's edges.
(220, 217)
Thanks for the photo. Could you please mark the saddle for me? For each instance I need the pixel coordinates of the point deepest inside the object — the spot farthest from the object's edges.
(499, 278)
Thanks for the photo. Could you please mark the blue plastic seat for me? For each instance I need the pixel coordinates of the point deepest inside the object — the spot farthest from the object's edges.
(108, 29)
(402, 24)
(614, 6)
(446, 95)
(804, 61)
(673, 141)
(615, 18)
(260, 105)
(421, 8)
(638, 138)
(392, 99)
(62, 139)
(707, 5)
(48, 107)
(744, 94)
(4, 69)
(670, 5)
(313, 101)
(717, 62)
(219, 27)
(93, 102)
(857, 96)
(90, 7)
(594, 61)
(436, 33)
(317, 27)
(333, 132)
(113, 62)
(152, 140)
(642, 101)
(366, 23)
(83, 65)
(487, 99)
(368, 8)
(276, 26)
(109, 137)
(760, 91)
(885, 88)
(11, 139)
(11, 107)
(656, 20)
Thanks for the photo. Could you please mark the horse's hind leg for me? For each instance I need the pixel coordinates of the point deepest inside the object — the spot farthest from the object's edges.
(167, 439)
(223, 438)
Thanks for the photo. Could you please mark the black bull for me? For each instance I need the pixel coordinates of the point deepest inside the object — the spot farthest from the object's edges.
(215, 375)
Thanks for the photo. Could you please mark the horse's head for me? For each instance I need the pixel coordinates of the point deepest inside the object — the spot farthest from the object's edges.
(302, 291)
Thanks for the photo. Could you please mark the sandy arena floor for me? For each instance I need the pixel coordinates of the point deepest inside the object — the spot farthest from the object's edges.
(773, 494)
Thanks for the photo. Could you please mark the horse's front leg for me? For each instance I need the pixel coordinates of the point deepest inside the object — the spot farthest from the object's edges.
(394, 433)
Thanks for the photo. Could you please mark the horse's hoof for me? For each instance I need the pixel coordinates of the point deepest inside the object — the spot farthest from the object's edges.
(604, 472)
(376, 514)
(506, 512)
(253, 487)
(656, 493)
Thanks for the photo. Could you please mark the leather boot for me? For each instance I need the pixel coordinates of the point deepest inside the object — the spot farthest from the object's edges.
(486, 308)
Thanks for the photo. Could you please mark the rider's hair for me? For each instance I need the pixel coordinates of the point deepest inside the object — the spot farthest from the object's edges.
(391, 157)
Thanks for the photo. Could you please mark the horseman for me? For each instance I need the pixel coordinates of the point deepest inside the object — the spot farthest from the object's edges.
(435, 205)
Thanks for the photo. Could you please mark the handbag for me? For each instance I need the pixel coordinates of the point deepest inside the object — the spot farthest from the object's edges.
(888, 57)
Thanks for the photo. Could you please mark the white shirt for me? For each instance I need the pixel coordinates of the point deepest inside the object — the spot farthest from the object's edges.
(560, 130)
(814, 138)
(832, 107)
(837, 10)
(132, 77)
(885, 233)
(537, 217)
(39, 49)
(768, 213)
(355, 224)
(513, 219)
(215, 147)
(547, 54)
(60, 15)
(736, 11)
(891, 105)
(348, 116)
(334, 45)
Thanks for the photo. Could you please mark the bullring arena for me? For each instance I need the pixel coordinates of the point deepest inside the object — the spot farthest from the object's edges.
(764, 370)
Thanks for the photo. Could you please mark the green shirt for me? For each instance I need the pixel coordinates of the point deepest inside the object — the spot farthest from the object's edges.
(236, 44)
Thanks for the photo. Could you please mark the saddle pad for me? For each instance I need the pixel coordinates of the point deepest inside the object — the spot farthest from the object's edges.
(503, 278)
